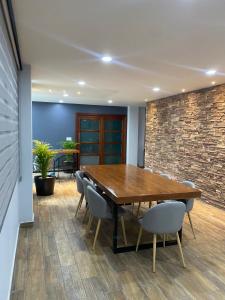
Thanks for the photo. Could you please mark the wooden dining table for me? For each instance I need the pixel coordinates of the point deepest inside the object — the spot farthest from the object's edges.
(125, 184)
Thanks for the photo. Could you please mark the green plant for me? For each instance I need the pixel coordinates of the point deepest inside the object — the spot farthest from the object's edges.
(44, 154)
(69, 145)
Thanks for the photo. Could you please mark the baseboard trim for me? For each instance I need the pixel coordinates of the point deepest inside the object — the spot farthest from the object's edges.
(27, 224)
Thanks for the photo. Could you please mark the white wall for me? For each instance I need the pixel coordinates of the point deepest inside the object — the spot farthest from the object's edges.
(25, 184)
(21, 206)
(8, 243)
(132, 134)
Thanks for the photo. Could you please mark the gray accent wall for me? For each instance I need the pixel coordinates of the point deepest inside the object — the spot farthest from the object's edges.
(53, 122)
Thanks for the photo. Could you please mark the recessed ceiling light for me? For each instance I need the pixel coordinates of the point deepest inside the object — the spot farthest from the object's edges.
(211, 72)
(65, 95)
(78, 93)
(156, 89)
(183, 90)
(107, 59)
(81, 82)
(60, 101)
(146, 100)
(213, 82)
(50, 91)
(110, 101)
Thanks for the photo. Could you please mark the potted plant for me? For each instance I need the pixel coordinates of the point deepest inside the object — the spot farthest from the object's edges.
(43, 156)
(69, 161)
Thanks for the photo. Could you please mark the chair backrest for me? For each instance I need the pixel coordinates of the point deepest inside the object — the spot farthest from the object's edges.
(79, 180)
(164, 218)
(87, 183)
(165, 175)
(97, 204)
(189, 202)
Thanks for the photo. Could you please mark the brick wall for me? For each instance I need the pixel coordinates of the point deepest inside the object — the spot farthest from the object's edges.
(185, 137)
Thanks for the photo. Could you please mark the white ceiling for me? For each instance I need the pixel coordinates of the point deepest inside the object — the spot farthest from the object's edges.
(165, 43)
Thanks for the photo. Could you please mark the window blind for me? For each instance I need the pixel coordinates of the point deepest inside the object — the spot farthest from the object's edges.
(9, 121)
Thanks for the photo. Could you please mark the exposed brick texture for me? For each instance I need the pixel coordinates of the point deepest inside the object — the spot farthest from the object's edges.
(185, 137)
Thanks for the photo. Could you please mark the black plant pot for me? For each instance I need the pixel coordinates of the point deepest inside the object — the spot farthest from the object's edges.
(44, 186)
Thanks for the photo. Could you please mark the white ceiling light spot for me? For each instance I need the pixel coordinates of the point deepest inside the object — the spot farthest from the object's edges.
(50, 91)
(81, 83)
(65, 94)
(211, 72)
(156, 89)
(183, 90)
(60, 101)
(146, 100)
(110, 101)
(106, 59)
(213, 82)
(78, 93)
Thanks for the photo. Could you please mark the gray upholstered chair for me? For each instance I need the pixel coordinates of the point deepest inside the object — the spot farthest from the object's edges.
(100, 209)
(167, 176)
(189, 203)
(148, 169)
(79, 181)
(166, 218)
(87, 183)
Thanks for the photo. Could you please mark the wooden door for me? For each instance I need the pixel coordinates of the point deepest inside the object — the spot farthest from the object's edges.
(102, 138)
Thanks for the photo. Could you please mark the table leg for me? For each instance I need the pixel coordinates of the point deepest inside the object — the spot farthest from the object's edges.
(115, 229)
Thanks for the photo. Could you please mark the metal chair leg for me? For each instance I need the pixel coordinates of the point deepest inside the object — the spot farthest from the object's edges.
(139, 238)
(192, 228)
(123, 229)
(79, 204)
(96, 233)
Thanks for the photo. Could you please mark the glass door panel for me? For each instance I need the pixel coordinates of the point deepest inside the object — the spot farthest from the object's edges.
(111, 137)
(115, 159)
(112, 149)
(88, 124)
(101, 138)
(113, 125)
(89, 148)
(89, 136)
(89, 160)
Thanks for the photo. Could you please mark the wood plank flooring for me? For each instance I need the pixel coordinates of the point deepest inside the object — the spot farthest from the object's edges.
(55, 260)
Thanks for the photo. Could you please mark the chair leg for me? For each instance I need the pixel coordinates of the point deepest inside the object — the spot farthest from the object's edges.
(139, 238)
(96, 233)
(149, 204)
(164, 240)
(138, 210)
(180, 249)
(123, 229)
(79, 204)
(86, 213)
(154, 252)
(192, 228)
(89, 223)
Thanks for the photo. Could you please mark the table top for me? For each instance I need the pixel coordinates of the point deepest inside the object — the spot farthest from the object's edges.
(127, 183)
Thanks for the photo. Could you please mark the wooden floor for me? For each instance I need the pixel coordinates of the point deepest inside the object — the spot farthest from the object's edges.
(55, 260)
